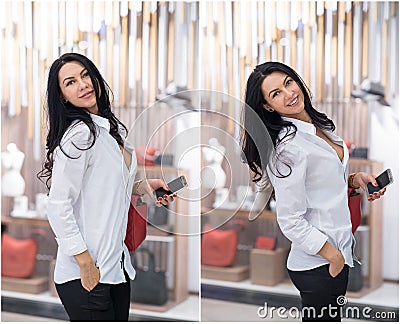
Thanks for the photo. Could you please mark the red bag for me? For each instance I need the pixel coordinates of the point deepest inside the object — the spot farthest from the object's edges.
(18, 257)
(265, 242)
(136, 230)
(354, 202)
(219, 247)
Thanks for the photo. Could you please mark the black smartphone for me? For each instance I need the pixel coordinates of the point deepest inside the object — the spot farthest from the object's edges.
(383, 180)
(175, 185)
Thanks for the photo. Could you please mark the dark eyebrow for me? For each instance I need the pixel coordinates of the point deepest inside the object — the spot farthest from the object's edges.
(67, 78)
(284, 81)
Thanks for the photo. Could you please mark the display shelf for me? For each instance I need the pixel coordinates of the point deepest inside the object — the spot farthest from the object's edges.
(180, 225)
(159, 238)
(284, 288)
(155, 308)
(374, 217)
(34, 285)
(34, 221)
(239, 213)
(364, 291)
(41, 222)
(158, 169)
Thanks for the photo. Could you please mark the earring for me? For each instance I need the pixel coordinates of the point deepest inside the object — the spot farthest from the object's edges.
(269, 109)
(64, 100)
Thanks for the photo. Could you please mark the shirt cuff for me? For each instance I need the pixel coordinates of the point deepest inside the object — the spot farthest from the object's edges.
(72, 245)
(314, 242)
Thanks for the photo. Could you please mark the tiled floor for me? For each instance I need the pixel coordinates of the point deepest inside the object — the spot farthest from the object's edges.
(223, 311)
(386, 295)
(15, 317)
(185, 311)
(213, 310)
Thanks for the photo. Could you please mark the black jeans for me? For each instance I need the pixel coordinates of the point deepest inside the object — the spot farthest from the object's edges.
(319, 293)
(106, 302)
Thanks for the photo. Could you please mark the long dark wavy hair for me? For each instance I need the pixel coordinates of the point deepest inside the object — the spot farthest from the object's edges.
(60, 114)
(273, 122)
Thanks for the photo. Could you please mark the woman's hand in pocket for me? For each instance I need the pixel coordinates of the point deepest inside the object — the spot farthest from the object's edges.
(90, 277)
(335, 258)
(336, 266)
(90, 274)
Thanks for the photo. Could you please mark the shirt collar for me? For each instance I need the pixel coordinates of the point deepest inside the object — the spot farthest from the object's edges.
(101, 121)
(301, 125)
(310, 129)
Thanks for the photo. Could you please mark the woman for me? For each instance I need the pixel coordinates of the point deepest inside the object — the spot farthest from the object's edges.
(91, 168)
(307, 166)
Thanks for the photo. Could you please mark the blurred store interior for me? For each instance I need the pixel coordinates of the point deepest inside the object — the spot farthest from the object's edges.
(178, 72)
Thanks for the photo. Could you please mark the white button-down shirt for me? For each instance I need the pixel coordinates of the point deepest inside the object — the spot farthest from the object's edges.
(311, 202)
(89, 200)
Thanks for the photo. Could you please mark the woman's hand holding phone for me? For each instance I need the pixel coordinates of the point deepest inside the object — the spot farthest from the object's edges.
(173, 187)
(365, 181)
(376, 194)
(161, 192)
(151, 185)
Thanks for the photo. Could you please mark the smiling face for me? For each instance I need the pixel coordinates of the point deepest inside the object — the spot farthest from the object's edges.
(76, 86)
(284, 96)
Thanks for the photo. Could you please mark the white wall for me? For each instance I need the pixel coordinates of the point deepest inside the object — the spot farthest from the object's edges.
(384, 146)
(188, 156)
